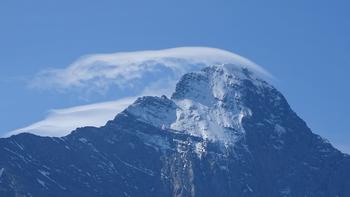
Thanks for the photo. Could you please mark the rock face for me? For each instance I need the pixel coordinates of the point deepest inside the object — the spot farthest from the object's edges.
(224, 132)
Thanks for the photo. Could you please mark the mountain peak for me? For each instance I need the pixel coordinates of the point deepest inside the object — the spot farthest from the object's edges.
(213, 82)
(224, 132)
(207, 104)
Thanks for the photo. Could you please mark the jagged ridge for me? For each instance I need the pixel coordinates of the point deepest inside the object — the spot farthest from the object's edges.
(224, 132)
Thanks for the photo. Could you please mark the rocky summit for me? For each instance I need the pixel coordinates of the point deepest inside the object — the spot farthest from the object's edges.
(224, 132)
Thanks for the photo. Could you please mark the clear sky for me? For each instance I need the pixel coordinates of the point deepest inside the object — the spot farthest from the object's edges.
(304, 44)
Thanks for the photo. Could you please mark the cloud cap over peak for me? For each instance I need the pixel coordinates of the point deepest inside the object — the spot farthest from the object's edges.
(100, 71)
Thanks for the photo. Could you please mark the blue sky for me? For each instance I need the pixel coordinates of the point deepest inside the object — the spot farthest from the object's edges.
(304, 44)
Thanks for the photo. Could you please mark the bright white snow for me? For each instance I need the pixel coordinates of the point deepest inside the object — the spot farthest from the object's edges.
(209, 116)
(203, 108)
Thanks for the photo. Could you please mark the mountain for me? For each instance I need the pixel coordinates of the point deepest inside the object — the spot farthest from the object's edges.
(224, 132)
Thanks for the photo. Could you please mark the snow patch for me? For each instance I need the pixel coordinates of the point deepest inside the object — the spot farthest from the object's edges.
(83, 140)
(18, 145)
(199, 149)
(1, 172)
(46, 174)
(199, 120)
(159, 112)
(285, 192)
(279, 129)
(154, 141)
(42, 183)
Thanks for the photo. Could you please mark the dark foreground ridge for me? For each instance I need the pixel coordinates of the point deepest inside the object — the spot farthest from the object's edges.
(224, 132)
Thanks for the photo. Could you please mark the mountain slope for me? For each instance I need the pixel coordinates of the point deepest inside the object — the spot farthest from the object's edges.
(224, 132)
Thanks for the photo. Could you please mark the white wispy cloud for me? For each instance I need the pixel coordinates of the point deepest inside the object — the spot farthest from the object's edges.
(142, 72)
(60, 122)
(98, 72)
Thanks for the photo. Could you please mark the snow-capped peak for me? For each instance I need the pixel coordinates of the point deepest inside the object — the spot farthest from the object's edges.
(213, 83)
(206, 103)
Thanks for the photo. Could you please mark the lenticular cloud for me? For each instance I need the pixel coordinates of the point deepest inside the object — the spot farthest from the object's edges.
(101, 71)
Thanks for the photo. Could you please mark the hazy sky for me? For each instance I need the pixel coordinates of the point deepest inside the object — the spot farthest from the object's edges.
(304, 44)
